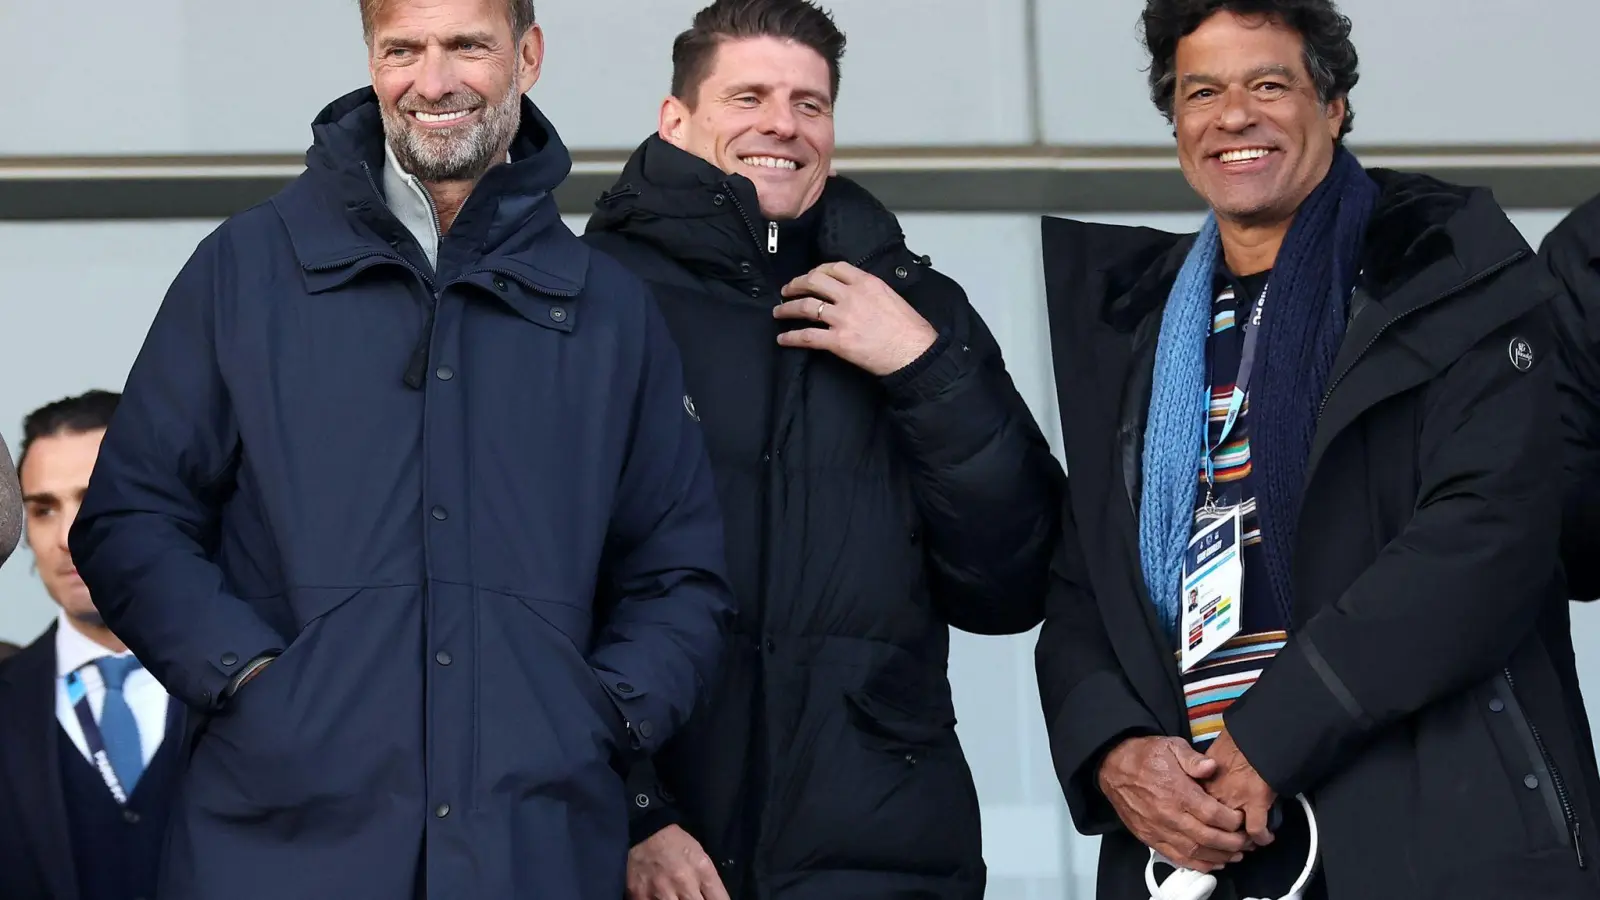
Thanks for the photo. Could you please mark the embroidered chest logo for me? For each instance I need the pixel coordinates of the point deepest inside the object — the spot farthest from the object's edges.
(688, 407)
(1521, 353)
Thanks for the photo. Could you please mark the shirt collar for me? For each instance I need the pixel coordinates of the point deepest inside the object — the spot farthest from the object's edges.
(74, 650)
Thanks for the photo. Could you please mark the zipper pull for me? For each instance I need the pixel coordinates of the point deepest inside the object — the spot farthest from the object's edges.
(1577, 844)
(772, 237)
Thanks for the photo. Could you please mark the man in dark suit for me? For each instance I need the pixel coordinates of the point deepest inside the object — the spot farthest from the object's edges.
(92, 747)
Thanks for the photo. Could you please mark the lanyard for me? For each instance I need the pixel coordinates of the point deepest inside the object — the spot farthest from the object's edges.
(1251, 328)
(79, 697)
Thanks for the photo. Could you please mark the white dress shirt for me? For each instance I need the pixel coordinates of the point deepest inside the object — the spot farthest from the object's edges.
(145, 695)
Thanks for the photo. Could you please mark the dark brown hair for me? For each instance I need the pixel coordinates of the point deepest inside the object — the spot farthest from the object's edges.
(89, 411)
(1330, 56)
(520, 11)
(805, 23)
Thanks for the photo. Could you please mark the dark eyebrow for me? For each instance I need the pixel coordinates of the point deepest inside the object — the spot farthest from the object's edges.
(45, 497)
(764, 90)
(476, 37)
(455, 40)
(1277, 70)
(392, 43)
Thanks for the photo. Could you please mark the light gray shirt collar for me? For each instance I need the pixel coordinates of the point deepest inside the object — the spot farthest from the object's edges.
(411, 203)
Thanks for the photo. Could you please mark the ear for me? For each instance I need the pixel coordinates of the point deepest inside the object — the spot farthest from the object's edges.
(1335, 112)
(530, 51)
(674, 122)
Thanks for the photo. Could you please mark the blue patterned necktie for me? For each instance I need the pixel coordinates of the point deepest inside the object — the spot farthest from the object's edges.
(118, 728)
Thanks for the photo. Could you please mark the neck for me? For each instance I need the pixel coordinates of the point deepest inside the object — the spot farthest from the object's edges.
(448, 198)
(100, 634)
(1249, 249)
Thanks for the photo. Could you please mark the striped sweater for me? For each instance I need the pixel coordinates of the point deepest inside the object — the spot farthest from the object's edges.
(1223, 676)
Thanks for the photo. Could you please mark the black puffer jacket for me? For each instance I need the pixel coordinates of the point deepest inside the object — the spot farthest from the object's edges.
(1426, 700)
(864, 516)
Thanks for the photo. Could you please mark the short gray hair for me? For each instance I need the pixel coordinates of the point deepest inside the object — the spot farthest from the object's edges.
(520, 11)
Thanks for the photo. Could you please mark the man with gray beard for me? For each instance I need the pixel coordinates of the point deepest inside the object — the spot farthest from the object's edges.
(405, 496)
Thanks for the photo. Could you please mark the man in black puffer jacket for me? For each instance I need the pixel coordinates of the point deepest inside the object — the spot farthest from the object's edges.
(881, 481)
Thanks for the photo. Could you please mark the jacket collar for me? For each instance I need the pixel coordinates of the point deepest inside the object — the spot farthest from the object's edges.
(337, 216)
(711, 222)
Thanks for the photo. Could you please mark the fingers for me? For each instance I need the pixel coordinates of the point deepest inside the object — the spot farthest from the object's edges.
(1209, 811)
(1223, 845)
(1195, 764)
(845, 273)
(810, 338)
(710, 881)
(1255, 823)
(1200, 859)
(803, 308)
(816, 283)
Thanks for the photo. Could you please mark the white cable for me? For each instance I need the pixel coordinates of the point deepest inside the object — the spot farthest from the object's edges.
(1187, 884)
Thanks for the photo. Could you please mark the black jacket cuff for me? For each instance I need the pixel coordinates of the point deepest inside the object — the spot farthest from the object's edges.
(1296, 721)
(1100, 713)
(927, 375)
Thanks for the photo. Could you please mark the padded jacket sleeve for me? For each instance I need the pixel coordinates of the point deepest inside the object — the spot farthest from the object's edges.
(662, 640)
(986, 484)
(143, 536)
(1570, 254)
(1448, 599)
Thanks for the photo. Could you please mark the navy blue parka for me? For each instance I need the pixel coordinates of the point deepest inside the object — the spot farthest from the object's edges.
(414, 484)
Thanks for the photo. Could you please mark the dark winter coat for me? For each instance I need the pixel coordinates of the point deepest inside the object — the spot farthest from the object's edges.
(413, 483)
(1426, 700)
(1571, 251)
(865, 516)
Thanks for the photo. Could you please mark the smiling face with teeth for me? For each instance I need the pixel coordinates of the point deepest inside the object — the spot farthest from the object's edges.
(1254, 137)
(765, 111)
(450, 76)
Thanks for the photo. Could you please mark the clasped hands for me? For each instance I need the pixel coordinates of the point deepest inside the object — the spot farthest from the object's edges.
(1201, 812)
(858, 317)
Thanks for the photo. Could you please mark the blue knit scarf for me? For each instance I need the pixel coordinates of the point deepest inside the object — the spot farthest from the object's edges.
(1303, 324)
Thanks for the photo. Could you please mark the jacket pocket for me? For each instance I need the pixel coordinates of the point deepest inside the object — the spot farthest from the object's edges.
(894, 728)
(562, 623)
(1543, 774)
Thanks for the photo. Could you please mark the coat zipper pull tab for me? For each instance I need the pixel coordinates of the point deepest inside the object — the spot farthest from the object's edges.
(772, 237)
(1577, 844)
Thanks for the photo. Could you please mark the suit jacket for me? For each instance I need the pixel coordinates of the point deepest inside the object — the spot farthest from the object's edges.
(35, 849)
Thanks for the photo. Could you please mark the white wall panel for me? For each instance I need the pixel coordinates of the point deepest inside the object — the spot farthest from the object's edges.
(1451, 72)
(211, 76)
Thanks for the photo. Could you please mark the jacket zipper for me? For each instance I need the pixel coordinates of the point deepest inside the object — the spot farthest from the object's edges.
(1481, 276)
(749, 223)
(1556, 781)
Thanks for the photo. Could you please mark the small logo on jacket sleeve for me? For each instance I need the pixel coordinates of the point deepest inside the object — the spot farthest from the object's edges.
(1521, 353)
(688, 407)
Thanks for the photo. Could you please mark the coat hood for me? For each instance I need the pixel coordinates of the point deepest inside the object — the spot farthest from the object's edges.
(349, 132)
(1419, 223)
(336, 212)
(709, 221)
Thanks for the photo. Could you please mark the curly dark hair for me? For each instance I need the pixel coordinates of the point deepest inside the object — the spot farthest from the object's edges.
(1330, 56)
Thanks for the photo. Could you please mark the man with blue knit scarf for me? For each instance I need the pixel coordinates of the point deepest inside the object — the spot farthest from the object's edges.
(1311, 541)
